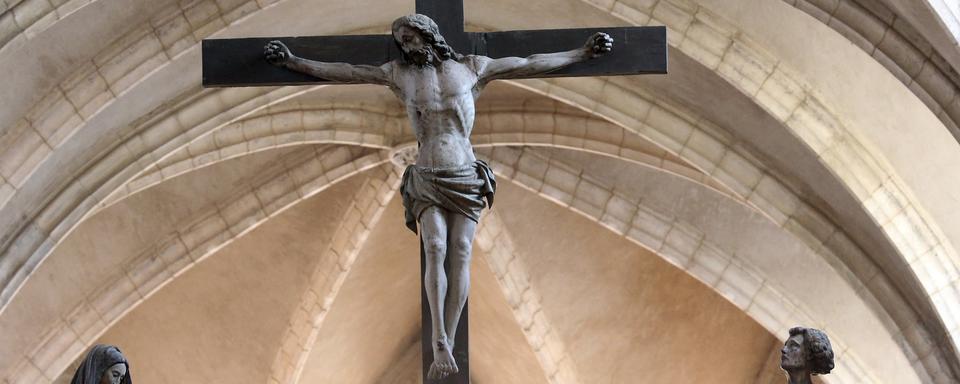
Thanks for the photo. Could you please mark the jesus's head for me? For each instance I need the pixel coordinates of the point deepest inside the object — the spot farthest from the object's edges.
(420, 41)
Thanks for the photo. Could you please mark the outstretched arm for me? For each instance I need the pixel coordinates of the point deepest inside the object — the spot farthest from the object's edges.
(511, 67)
(278, 54)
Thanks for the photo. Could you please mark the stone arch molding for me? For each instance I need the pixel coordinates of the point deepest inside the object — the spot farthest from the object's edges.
(617, 147)
(279, 123)
(350, 124)
(161, 136)
(680, 243)
(554, 192)
(718, 45)
(665, 10)
(51, 343)
(303, 174)
(896, 44)
(817, 232)
(765, 184)
(699, 35)
(691, 246)
(335, 265)
(753, 185)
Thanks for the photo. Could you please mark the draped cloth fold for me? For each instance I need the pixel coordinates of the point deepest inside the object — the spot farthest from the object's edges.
(458, 189)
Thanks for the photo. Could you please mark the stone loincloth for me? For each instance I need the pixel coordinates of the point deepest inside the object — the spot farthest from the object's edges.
(460, 189)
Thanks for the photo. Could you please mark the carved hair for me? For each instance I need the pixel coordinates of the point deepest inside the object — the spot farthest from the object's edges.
(817, 349)
(430, 32)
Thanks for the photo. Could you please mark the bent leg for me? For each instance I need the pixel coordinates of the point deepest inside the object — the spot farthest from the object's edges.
(433, 232)
(460, 232)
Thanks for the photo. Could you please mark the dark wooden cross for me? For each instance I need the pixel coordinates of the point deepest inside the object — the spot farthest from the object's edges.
(240, 62)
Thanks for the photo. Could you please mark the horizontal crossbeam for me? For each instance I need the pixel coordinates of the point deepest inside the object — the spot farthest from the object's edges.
(240, 62)
(636, 50)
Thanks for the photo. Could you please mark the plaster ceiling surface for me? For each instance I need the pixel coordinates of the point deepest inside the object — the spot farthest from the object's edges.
(94, 252)
(220, 322)
(624, 314)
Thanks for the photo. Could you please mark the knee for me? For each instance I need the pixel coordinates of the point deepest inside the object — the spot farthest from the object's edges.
(462, 247)
(434, 245)
(461, 243)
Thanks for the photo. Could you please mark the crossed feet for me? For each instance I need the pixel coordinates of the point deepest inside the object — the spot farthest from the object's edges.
(443, 363)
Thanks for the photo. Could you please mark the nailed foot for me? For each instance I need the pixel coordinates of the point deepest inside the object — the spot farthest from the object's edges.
(443, 363)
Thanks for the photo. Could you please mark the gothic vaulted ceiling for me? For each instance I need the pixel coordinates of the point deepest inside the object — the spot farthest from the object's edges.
(797, 166)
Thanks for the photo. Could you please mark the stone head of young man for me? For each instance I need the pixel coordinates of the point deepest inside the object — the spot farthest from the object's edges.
(806, 352)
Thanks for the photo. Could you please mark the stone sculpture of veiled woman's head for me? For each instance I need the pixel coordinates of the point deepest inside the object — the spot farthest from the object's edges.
(104, 364)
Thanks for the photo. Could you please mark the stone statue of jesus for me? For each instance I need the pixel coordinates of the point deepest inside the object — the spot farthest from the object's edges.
(446, 188)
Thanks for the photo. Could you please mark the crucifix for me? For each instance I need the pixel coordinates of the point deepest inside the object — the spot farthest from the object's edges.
(438, 78)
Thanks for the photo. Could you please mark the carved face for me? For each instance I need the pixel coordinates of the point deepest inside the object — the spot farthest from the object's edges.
(114, 374)
(413, 44)
(793, 356)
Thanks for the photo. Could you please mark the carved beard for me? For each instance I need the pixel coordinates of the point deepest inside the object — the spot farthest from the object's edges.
(423, 56)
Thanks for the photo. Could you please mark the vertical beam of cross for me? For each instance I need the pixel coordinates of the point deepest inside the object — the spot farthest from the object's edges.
(449, 18)
(448, 14)
(461, 346)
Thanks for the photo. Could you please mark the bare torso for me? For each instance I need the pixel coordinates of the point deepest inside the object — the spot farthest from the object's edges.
(440, 104)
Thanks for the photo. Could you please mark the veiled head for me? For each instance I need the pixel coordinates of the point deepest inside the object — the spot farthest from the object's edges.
(104, 364)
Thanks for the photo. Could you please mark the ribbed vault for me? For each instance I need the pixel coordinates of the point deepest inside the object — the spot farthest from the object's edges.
(748, 118)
